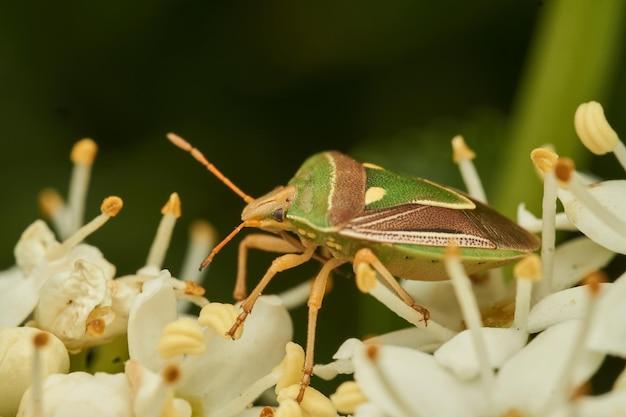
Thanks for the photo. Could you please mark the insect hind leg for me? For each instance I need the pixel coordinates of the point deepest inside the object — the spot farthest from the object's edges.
(368, 257)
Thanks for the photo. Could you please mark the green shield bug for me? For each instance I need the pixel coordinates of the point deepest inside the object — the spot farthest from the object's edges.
(339, 210)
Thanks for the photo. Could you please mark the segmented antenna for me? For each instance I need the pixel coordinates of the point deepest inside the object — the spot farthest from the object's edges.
(223, 243)
(198, 156)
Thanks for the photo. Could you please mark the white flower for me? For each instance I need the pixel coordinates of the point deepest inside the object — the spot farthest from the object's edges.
(221, 378)
(136, 393)
(16, 353)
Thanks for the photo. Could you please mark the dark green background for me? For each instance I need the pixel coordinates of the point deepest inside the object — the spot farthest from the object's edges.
(259, 86)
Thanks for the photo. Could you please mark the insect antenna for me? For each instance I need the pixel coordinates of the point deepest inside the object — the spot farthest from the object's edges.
(198, 156)
(207, 261)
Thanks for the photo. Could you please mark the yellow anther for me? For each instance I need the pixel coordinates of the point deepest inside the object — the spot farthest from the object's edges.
(528, 268)
(193, 288)
(460, 150)
(84, 152)
(171, 374)
(267, 412)
(365, 277)
(348, 397)
(544, 159)
(291, 366)
(182, 337)
(593, 129)
(220, 317)
(313, 403)
(50, 201)
(41, 340)
(289, 408)
(111, 206)
(96, 327)
(594, 280)
(172, 206)
(202, 230)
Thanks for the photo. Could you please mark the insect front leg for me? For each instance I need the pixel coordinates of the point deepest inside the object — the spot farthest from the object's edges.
(279, 264)
(368, 257)
(318, 290)
(264, 242)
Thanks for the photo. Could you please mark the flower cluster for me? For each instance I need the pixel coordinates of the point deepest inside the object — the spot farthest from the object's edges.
(489, 348)
(525, 351)
(63, 298)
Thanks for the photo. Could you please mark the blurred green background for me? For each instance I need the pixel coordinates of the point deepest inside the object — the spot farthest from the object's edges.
(259, 86)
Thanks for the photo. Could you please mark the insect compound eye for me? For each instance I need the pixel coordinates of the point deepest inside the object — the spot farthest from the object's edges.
(279, 215)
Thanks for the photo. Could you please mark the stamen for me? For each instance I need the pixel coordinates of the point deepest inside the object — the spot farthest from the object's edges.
(198, 156)
(111, 206)
(545, 161)
(181, 337)
(313, 403)
(289, 408)
(40, 341)
(570, 179)
(596, 133)
(463, 290)
(171, 212)
(463, 156)
(96, 327)
(207, 261)
(291, 367)
(202, 237)
(83, 154)
(171, 374)
(564, 386)
(527, 271)
(267, 412)
(53, 207)
(348, 397)
(220, 317)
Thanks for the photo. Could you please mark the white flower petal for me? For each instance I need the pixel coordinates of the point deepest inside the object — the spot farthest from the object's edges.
(408, 383)
(411, 337)
(560, 306)
(228, 367)
(33, 246)
(18, 297)
(459, 355)
(612, 404)
(575, 259)
(80, 394)
(608, 332)
(528, 380)
(152, 310)
(611, 195)
(150, 394)
(343, 361)
(16, 357)
(369, 410)
(67, 298)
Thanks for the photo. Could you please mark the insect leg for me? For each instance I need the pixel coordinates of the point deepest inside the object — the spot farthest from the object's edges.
(279, 264)
(318, 290)
(367, 256)
(264, 242)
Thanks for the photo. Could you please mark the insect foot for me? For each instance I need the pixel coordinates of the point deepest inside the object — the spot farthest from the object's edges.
(423, 311)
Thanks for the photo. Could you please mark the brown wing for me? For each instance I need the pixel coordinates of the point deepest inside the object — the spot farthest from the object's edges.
(417, 224)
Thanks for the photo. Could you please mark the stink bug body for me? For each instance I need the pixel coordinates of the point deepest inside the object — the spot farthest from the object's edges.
(367, 215)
